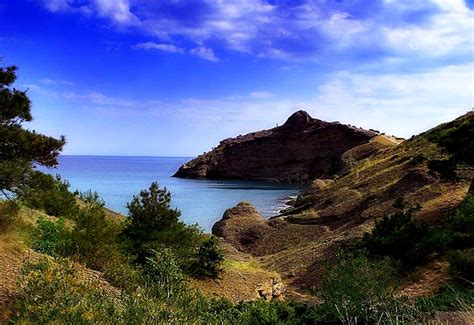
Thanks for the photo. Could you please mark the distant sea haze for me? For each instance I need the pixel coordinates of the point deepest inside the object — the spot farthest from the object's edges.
(117, 179)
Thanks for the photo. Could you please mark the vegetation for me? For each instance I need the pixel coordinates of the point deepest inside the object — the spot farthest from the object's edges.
(20, 148)
(47, 193)
(358, 288)
(462, 265)
(52, 238)
(154, 224)
(400, 237)
(209, 259)
(457, 138)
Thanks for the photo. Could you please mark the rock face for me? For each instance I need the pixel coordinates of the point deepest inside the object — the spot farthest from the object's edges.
(300, 150)
(241, 225)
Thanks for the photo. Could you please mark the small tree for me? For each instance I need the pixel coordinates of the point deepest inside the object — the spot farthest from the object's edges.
(153, 224)
(20, 148)
(209, 258)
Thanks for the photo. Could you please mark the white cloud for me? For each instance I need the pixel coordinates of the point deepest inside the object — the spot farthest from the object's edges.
(159, 46)
(304, 30)
(57, 5)
(204, 53)
(449, 32)
(116, 10)
(400, 104)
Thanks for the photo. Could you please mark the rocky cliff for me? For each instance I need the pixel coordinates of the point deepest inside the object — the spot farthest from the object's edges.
(300, 150)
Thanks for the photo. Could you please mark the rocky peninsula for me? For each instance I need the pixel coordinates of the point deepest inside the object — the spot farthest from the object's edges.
(300, 150)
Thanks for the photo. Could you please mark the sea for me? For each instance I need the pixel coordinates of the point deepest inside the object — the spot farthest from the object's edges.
(203, 202)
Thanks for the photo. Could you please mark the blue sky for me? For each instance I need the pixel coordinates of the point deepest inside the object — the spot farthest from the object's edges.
(136, 77)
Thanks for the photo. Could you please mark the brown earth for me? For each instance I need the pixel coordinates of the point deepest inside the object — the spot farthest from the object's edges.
(243, 279)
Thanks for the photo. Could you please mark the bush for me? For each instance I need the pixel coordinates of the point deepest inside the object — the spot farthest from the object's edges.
(94, 236)
(88, 238)
(401, 237)
(53, 238)
(49, 194)
(358, 289)
(163, 271)
(153, 224)
(51, 291)
(445, 168)
(209, 259)
(461, 225)
(452, 297)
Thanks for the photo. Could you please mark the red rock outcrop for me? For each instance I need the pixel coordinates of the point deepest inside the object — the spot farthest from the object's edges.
(300, 150)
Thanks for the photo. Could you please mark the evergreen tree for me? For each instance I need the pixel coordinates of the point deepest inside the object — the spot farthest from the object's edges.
(150, 216)
(20, 148)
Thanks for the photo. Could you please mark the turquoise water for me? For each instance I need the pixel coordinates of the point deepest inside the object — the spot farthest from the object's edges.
(117, 179)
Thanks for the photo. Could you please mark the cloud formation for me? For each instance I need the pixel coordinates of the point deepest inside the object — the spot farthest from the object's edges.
(159, 46)
(327, 31)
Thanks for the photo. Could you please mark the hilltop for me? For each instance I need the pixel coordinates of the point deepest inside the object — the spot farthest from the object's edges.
(301, 149)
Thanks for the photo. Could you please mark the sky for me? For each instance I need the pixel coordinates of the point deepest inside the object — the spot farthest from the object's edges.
(174, 77)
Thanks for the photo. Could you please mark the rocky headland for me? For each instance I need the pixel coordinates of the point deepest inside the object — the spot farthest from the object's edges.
(300, 150)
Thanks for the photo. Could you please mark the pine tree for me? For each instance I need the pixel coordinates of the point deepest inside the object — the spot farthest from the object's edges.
(20, 149)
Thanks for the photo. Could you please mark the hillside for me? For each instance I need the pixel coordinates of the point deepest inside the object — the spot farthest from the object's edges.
(335, 213)
(300, 150)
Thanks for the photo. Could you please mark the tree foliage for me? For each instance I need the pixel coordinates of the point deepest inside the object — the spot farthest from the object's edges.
(154, 224)
(209, 258)
(47, 193)
(400, 236)
(19, 147)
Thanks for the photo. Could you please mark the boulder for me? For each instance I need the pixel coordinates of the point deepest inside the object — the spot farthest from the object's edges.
(241, 225)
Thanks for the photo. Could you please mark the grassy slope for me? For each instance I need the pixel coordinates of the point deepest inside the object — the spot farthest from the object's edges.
(242, 278)
(301, 240)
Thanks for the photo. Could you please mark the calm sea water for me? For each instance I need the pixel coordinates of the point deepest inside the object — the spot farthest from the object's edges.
(117, 179)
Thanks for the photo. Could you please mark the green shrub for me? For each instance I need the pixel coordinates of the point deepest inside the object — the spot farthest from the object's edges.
(94, 236)
(453, 297)
(209, 259)
(358, 289)
(401, 237)
(458, 139)
(49, 194)
(446, 168)
(461, 225)
(53, 238)
(163, 271)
